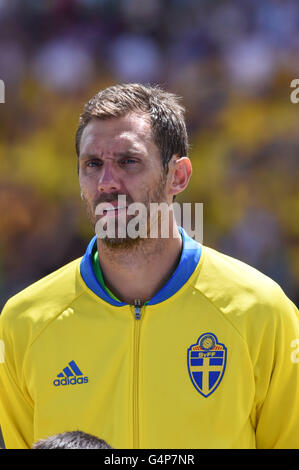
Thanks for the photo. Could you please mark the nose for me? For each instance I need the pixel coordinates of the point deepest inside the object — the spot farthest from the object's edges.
(108, 180)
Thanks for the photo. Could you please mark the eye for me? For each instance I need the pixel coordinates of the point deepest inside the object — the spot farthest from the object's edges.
(129, 161)
(92, 163)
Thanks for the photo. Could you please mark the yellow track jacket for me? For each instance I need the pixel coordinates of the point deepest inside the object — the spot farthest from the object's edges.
(211, 362)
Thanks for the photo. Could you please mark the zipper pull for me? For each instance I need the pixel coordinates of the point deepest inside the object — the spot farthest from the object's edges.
(137, 309)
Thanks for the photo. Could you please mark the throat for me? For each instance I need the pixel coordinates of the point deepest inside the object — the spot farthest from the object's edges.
(136, 274)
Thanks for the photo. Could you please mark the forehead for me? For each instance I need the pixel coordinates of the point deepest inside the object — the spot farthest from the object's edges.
(117, 134)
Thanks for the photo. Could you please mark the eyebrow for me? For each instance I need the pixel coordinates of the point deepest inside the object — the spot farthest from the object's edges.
(83, 156)
(123, 154)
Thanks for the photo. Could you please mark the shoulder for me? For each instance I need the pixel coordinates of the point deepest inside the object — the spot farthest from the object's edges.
(238, 290)
(42, 301)
(232, 270)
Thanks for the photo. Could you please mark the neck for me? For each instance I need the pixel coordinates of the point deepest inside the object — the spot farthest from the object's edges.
(138, 272)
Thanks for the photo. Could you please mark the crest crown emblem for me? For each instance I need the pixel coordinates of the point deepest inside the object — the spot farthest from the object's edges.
(206, 363)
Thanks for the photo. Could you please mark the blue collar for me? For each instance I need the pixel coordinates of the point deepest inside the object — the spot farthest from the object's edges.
(190, 256)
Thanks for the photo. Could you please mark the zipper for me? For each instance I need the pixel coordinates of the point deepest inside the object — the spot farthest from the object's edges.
(137, 309)
(137, 318)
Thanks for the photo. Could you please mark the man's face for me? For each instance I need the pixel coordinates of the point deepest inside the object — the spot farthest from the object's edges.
(119, 157)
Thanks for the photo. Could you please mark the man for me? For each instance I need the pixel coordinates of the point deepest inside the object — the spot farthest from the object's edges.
(148, 342)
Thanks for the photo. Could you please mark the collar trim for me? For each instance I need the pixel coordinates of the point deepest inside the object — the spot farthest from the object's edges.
(190, 256)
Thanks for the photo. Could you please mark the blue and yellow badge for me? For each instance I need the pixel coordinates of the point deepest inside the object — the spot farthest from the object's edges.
(206, 363)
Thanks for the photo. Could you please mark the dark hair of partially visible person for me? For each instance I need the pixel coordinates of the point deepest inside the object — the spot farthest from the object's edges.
(72, 440)
(165, 113)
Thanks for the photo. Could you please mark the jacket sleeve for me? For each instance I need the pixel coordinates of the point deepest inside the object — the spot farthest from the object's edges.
(278, 413)
(16, 407)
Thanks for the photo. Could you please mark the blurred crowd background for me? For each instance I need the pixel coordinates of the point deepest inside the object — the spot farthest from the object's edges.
(232, 63)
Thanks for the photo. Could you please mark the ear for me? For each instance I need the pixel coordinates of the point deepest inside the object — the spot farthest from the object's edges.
(180, 170)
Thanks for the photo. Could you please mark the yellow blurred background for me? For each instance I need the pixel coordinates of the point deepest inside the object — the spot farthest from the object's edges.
(231, 62)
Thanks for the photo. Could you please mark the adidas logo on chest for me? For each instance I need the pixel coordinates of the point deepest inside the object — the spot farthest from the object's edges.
(70, 375)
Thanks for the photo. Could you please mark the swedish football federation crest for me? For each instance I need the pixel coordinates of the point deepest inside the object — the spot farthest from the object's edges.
(206, 363)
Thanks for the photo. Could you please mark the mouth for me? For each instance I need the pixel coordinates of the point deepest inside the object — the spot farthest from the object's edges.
(113, 210)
